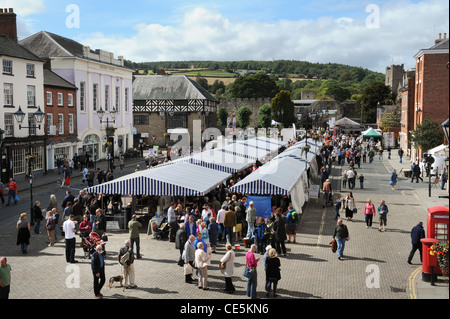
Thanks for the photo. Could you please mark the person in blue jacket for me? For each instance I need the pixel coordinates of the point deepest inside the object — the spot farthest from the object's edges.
(291, 223)
(260, 235)
(393, 180)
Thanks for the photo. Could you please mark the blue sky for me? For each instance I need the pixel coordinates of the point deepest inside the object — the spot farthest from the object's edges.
(346, 32)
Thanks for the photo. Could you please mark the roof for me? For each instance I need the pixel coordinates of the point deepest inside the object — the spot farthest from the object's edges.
(46, 44)
(440, 48)
(9, 47)
(345, 121)
(168, 87)
(371, 133)
(53, 79)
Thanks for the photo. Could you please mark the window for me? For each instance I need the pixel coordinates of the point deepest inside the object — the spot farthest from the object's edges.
(61, 124)
(60, 99)
(82, 95)
(9, 124)
(7, 67)
(117, 98)
(8, 93)
(31, 96)
(126, 99)
(177, 121)
(32, 124)
(95, 97)
(141, 120)
(71, 127)
(106, 97)
(48, 97)
(70, 100)
(49, 123)
(30, 70)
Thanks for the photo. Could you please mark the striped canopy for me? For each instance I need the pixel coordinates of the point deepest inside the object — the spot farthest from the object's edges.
(181, 179)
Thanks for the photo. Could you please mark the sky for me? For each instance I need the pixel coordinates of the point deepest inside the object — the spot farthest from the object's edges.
(368, 34)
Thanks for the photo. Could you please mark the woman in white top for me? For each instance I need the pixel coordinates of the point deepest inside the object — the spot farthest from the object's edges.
(228, 259)
(349, 204)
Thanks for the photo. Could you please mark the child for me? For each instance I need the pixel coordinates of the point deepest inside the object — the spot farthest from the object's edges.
(337, 207)
(361, 181)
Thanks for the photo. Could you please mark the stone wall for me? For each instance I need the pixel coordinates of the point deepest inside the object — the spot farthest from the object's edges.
(233, 105)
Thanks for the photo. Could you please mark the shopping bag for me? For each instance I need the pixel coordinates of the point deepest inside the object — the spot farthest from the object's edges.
(188, 269)
(16, 198)
(67, 181)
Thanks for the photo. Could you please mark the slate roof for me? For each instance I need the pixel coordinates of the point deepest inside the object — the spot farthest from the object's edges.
(345, 121)
(53, 79)
(9, 47)
(168, 87)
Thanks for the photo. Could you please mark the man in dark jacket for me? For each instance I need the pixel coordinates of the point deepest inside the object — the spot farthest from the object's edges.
(98, 270)
(417, 233)
(279, 228)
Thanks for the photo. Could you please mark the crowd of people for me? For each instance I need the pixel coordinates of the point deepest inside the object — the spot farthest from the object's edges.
(199, 226)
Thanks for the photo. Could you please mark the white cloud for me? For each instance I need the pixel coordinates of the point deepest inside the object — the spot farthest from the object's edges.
(207, 35)
(24, 7)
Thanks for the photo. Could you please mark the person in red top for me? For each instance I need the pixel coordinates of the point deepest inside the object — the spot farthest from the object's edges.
(252, 263)
(12, 186)
(369, 211)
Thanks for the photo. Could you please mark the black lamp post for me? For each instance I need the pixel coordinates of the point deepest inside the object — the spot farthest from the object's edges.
(38, 118)
(109, 129)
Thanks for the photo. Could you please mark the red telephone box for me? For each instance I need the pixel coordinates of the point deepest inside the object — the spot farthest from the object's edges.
(437, 231)
(437, 223)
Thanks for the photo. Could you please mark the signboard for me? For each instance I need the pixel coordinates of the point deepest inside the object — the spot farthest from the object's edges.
(314, 191)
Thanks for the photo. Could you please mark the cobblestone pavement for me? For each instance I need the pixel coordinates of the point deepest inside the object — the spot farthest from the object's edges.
(374, 264)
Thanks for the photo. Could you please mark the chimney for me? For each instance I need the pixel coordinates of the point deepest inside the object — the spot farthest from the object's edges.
(8, 24)
(439, 40)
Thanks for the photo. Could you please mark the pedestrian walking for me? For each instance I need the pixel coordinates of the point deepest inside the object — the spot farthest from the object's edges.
(273, 273)
(292, 218)
(12, 191)
(229, 222)
(38, 217)
(337, 207)
(279, 229)
(389, 151)
(228, 269)
(5, 278)
(53, 206)
(134, 227)
(344, 179)
(23, 233)
(341, 235)
(126, 260)
(2, 192)
(251, 263)
(69, 235)
(383, 210)
(351, 178)
(400, 154)
(213, 233)
(349, 206)
(444, 177)
(98, 271)
(260, 235)
(326, 188)
(50, 225)
(393, 180)
(369, 212)
(415, 172)
(202, 260)
(417, 233)
(251, 219)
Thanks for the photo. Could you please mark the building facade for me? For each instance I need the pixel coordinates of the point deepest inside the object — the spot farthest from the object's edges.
(431, 93)
(162, 103)
(22, 88)
(104, 92)
(60, 118)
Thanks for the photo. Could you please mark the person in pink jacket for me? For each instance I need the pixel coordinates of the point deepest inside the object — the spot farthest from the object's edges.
(369, 212)
(202, 260)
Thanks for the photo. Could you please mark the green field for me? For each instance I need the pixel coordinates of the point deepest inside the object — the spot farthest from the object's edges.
(203, 73)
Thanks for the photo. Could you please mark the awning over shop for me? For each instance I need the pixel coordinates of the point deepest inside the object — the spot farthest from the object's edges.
(181, 179)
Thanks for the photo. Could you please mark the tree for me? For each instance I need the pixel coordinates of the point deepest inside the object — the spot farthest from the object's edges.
(283, 109)
(340, 93)
(265, 116)
(427, 135)
(391, 119)
(375, 93)
(202, 81)
(222, 116)
(253, 86)
(243, 116)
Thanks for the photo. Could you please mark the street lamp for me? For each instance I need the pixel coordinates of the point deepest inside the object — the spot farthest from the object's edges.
(109, 130)
(38, 116)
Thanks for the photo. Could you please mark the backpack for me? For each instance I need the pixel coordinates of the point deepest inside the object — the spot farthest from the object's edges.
(294, 216)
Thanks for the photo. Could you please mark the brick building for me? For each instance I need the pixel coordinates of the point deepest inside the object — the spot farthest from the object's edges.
(61, 118)
(431, 96)
(407, 109)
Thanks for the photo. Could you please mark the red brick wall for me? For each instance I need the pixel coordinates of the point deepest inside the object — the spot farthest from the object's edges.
(65, 109)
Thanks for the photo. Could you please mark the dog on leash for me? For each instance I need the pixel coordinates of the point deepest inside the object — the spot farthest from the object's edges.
(114, 279)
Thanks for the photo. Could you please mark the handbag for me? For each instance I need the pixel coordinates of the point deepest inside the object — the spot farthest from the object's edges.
(188, 269)
(248, 272)
(355, 210)
(333, 244)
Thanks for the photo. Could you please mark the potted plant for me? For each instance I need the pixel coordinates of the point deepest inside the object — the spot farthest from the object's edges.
(441, 251)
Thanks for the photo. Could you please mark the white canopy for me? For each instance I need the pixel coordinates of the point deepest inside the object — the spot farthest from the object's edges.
(181, 179)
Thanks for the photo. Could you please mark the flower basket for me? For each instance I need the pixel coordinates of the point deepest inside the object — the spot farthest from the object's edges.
(441, 252)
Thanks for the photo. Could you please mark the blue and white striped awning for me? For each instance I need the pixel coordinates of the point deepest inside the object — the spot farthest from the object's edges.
(181, 179)
(277, 177)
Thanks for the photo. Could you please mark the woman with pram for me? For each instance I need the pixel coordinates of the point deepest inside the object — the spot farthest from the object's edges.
(85, 229)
